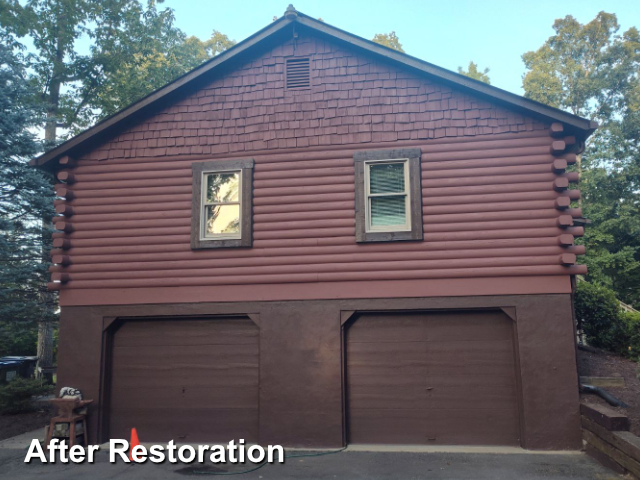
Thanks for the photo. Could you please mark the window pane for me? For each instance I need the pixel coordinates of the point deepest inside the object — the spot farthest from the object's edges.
(388, 211)
(386, 178)
(222, 220)
(222, 187)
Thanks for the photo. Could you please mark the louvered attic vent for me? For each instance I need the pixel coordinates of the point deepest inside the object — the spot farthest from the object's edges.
(298, 73)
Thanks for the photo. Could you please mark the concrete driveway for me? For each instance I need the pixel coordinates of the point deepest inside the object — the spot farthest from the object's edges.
(349, 465)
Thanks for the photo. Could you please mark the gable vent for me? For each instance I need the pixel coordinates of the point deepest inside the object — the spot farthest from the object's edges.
(298, 73)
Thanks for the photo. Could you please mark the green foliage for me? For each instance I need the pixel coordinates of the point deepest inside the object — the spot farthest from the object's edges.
(133, 50)
(593, 71)
(18, 337)
(632, 324)
(599, 317)
(389, 40)
(26, 197)
(17, 395)
(473, 72)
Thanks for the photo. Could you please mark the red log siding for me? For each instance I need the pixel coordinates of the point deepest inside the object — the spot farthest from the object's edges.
(487, 184)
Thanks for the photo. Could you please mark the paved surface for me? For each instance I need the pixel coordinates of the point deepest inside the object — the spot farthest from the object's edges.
(349, 465)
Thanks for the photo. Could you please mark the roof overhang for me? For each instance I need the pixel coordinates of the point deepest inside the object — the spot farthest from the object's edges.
(280, 30)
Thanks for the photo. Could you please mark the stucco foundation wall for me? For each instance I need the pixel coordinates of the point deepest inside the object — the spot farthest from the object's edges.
(301, 377)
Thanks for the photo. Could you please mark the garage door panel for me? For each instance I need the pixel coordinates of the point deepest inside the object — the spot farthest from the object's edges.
(140, 377)
(380, 328)
(190, 332)
(389, 397)
(170, 354)
(476, 398)
(186, 379)
(460, 327)
(411, 375)
(193, 397)
(471, 381)
(466, 427)
(388, 426)
(456, 385)
(208, 425)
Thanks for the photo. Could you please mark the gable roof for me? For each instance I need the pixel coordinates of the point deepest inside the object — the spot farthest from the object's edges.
(276, 32)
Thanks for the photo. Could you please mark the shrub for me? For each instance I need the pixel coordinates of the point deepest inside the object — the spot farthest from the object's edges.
(632, 323)
(16, 396)
(600, 317)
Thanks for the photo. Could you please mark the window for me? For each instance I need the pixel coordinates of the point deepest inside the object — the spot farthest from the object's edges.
(221, 213)
(387, 204)
(388, 195)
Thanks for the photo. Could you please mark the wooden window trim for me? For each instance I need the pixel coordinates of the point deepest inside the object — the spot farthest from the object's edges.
(412, 156)
(245, 166)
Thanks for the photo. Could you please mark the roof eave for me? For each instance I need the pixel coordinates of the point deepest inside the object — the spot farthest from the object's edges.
(577, 124)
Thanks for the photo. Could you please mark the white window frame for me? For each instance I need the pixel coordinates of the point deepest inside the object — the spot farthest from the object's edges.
(204, 204)
(368, 196)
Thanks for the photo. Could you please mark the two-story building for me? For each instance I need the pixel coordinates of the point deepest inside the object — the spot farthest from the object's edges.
(314, 240)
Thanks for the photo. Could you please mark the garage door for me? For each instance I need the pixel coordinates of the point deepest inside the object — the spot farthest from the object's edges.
(184, 379)
(432, 378)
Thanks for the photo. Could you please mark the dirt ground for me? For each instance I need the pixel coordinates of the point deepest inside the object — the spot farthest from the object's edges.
(12, 425)
(604, 364)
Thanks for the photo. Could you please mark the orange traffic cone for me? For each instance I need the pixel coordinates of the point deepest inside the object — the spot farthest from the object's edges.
(134, 442)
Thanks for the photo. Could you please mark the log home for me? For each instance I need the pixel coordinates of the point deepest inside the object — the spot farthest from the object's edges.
(313, 240)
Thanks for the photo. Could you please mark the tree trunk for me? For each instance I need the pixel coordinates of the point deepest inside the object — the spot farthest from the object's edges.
(45, 327)
(45, 351)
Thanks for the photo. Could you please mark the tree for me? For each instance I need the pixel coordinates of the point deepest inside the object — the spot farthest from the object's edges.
(389, 40)
(592, 71)
(125, 37)
(473, 72)
(26, 196)
(147, 69)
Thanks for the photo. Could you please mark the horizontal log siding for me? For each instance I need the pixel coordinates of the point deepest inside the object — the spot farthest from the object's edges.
(488, 191)
(505, 223)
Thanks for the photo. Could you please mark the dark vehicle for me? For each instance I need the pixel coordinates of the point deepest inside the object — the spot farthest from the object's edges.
(16, 366)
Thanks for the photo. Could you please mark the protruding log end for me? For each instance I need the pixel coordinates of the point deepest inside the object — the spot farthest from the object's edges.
(565, 221)
(574, 194)
(570, 140)
(577, 231)
(66, 177)
(565, 240)
(558, 147)
(563, 203)
(62, 243)
(567, 259)
(66, 210)
(573, 176)
(560, 184)
(65, 193)
(556, 130)
(67, 161)
(61, 260)
(66, 227)
(60, 277)
(53, 286)
(559, 166)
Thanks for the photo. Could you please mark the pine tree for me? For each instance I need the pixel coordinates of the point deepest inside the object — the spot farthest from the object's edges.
(26, 197)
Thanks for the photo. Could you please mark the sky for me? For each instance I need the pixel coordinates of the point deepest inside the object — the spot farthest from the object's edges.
(492, 33)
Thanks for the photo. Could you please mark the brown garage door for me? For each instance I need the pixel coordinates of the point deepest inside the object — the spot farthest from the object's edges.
(432, 378)
(184, 379)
